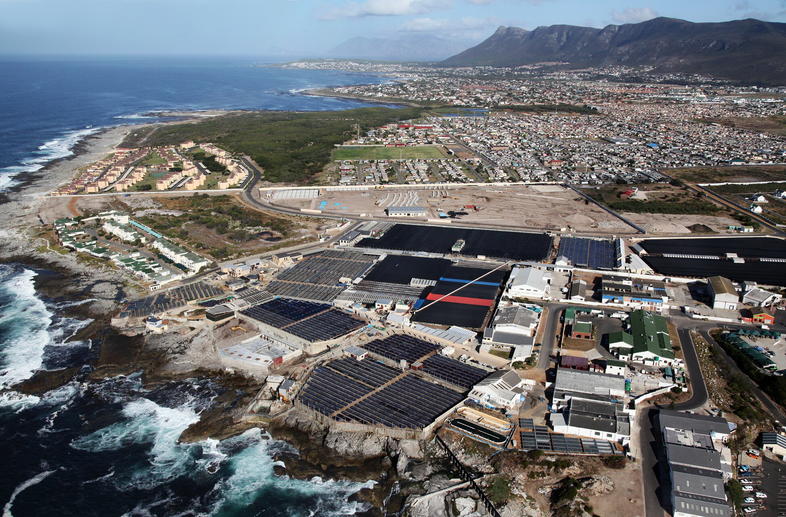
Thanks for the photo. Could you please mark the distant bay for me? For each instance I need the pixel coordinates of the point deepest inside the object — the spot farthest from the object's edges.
(48, 105)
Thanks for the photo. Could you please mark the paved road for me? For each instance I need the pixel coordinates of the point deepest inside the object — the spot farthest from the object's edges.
(696, 378)
(650, 467)
(549, 333)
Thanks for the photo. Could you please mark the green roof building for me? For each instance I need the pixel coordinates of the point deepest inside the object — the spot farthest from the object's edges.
(647, 340)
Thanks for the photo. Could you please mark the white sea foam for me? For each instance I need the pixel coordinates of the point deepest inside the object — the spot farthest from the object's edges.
(52, 150)
(28, 326)
(61, 399)
(22, 487)
(25, 322)
(146, 422)
(252, 474)
(136, 116)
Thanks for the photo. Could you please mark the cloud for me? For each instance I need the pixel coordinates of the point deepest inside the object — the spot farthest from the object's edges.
(633, 15)
(463, 28)
(480, 2)
(386, 8)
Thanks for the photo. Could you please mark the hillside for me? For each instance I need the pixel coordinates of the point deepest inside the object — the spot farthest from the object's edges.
(743, 50)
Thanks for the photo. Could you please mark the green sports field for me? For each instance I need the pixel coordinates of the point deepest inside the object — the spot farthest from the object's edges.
(379, 152)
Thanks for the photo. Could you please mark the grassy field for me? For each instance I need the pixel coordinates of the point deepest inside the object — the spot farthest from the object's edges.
(152, 159)
(730, 173)
(775, 125)
(290, 146)
(379, 152)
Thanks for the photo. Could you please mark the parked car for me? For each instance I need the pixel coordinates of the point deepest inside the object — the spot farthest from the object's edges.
(749, 500)
(753, 453)
(749, 509)
(747, 481)
(747, 488)
(744, 468)
(761, 495)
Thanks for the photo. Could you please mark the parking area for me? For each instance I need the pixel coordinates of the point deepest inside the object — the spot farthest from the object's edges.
(775, 348)
(763, 485)
(773, 483)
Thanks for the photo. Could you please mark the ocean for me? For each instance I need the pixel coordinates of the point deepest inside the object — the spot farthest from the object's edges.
(106, 448)
(47, 106)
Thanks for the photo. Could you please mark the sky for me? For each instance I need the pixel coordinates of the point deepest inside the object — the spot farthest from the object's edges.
(303, 28)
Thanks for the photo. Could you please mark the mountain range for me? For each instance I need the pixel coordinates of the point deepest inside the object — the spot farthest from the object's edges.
(749, 51)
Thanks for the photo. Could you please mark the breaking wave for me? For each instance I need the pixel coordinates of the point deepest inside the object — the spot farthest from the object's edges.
(55, 149)
(32, 335)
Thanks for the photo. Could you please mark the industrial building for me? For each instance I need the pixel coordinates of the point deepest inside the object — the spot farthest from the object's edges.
(503, 390)
(528, 282)
(774, 443)
(586, 385)
(646, 341)
(406, 211)
(633, 292)
(593, 419)
(722, 293)
(697, 468)
(514, 326)
(259, 354)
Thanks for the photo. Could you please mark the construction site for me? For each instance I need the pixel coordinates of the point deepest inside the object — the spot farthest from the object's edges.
(542, 206)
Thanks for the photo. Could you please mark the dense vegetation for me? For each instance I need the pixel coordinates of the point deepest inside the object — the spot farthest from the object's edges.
(748, 189)
(236, 225)
(688, 206)
(291, 146)
(209, 161)
(772, 385)
(730, 173)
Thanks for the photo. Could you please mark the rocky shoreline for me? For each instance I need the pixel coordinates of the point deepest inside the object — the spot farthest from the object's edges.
(64, 278)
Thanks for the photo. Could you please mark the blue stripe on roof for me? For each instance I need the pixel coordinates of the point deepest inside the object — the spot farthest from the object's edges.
(459, 281)
(419, 303)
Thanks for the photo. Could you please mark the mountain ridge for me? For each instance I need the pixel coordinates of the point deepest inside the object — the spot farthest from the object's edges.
(746, 50)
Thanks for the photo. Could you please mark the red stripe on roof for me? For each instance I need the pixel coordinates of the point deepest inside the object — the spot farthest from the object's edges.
(460, 299)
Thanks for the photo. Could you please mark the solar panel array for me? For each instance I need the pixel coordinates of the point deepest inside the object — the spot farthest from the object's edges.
(325, 326)
(284, 311)
(453, 371)
(593, 253)
(368, 372)
(318, 277)
(171, 299)
(308, 320)
(410, 402)
(311, 292)
(254, 296)
(328, 391)
(400, 346)
(538, 437)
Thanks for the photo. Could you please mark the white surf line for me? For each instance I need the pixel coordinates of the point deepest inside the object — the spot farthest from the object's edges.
(22, 487)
